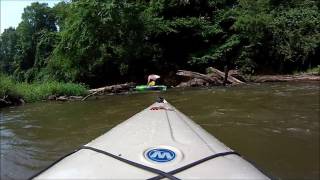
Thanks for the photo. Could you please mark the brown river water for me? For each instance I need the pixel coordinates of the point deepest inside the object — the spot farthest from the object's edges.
(274, 125)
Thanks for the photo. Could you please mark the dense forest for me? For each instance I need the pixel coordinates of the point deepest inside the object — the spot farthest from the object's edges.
(100, 42)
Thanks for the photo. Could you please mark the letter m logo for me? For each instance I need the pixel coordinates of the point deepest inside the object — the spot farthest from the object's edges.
(161, 155)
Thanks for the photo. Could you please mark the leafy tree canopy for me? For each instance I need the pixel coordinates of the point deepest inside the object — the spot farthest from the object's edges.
(99, 42)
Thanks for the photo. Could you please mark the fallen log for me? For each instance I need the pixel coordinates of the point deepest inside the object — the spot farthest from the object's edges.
(110, 89)
(216, 72)
(62, 98)
(113, 88)
(75, 98)
(196, 75)
(89, 95)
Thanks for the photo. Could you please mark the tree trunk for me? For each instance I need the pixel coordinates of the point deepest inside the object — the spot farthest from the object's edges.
(225, 80)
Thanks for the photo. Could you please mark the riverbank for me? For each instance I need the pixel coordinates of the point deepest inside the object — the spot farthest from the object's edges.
(14, 93)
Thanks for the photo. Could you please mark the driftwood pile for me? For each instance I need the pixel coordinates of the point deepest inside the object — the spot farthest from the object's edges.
(214, 78)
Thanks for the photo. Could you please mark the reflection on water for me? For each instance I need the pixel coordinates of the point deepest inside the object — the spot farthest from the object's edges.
(275, 125)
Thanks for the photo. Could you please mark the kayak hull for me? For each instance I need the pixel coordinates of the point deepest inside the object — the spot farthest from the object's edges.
(158, 127)
(151, 88)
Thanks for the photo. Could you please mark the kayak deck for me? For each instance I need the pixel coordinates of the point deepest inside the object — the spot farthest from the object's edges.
(160, 137)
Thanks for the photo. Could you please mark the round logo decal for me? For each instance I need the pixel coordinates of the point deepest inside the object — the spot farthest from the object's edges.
(160, 155)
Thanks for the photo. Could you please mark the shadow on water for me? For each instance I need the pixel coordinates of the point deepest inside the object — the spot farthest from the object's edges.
(275, 125)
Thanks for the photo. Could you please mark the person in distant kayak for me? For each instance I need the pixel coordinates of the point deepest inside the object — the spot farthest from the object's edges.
(152, 83)
(152, 79)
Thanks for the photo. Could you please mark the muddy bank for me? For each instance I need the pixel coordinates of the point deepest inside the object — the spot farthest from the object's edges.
(285, 78)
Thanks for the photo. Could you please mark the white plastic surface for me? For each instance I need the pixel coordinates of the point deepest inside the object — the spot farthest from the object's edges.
(158, 126)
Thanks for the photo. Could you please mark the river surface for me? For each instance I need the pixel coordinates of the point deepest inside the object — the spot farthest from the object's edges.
(276, 126)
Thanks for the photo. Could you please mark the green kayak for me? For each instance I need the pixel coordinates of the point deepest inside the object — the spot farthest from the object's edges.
(150, 88)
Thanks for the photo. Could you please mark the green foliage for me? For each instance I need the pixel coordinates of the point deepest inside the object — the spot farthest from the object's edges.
(100, 42)
(37, 22)
(44, 48)
(8, 42)
(259, 36)
(7, 86)
(38, 91)
(39, 16)
(315, 70)
(296, 34)
(100, 37)
(61, 12)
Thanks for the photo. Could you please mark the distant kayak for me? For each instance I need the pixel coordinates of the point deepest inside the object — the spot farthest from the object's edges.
(158, 142)
(151, 88)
